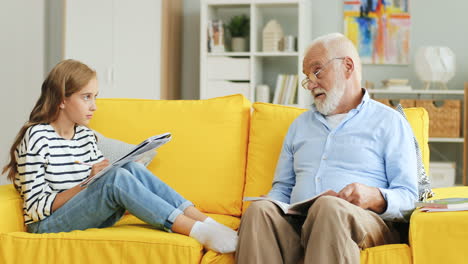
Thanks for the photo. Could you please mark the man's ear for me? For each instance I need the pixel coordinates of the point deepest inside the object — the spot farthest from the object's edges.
(349, 66)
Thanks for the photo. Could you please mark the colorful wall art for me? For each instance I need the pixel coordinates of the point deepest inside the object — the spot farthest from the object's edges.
(380, 29)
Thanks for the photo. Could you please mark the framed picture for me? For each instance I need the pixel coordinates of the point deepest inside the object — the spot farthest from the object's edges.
(215, 36)
(380, 30)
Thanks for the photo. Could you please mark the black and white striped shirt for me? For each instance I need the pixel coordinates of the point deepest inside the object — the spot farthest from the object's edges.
(46, 166)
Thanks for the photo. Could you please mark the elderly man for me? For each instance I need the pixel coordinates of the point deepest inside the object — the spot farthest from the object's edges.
(348, 143)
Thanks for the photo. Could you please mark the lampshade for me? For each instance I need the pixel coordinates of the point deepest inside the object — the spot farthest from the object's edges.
(435, 64)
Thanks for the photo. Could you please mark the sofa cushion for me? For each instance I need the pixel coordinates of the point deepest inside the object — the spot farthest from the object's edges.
(395, 253)
(424, 184)
(268, 128)
(129, 241)
(11, 206)
(440, 237)
(205, 160)
(419, 121)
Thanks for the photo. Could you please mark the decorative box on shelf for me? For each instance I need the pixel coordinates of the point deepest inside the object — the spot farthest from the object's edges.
(442, 174)
(444, 117)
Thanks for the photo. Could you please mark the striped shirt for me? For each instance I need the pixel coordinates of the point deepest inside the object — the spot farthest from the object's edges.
(46, 166)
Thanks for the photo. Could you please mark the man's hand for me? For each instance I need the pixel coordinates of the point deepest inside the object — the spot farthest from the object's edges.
(98, 167)
(364, 196)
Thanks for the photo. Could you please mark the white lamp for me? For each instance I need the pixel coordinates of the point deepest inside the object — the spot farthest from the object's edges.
(435, 65)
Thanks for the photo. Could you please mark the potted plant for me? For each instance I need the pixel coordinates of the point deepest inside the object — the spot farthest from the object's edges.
(239, 27)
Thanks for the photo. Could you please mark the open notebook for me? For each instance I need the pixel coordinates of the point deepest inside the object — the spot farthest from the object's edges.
(135, 153)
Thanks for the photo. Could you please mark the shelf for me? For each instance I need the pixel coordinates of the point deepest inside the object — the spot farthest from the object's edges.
(275, 54)
(276, 2)
(446, 140)
(236, 3)
(442, 92)
(247, 54)
(229, 54)
(229, 3)
(263, 67)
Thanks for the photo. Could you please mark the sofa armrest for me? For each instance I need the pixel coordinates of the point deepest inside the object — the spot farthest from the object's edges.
(11, 209)
(440, 237)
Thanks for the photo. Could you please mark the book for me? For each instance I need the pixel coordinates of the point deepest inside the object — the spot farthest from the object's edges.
(299, 208)
(292, 98)
(279, 83)
(134, 154)
(447, 204)
(284, 88)
(287, 89)
(402, 88)
(430, 209)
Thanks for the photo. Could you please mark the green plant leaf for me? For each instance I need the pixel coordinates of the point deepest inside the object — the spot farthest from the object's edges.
(239, 26)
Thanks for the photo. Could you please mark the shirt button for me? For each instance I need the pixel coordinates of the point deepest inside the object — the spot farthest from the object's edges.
(318, 179)
(324, 157)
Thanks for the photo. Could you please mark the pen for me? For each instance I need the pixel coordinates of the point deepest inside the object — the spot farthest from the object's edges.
(82, 163)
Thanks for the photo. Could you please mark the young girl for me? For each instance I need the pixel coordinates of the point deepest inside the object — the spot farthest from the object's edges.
(45, 172)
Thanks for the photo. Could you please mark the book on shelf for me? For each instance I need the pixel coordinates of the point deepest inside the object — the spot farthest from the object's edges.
(443, 205)
(292, 94)
(286, 89)
(398, 88)
(299, 208)
(278, 88)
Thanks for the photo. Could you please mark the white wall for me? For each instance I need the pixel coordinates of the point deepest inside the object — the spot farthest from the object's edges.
(21, 66)
(54, 33)
(32, 41)
(190, 84)
(433, 23)
(121, 40)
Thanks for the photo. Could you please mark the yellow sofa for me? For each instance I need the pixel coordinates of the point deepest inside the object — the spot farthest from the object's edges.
(222, 149)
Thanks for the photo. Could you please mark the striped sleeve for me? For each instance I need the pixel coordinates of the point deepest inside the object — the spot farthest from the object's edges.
(97, 152)
(32, 155)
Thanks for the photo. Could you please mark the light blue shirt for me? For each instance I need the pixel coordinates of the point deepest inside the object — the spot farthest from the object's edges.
(373, 145)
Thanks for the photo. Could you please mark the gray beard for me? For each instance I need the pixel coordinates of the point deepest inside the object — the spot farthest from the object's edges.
(332, 99)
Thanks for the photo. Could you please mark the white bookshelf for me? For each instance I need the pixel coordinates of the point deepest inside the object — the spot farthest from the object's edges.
(263, 67)
(446, 140)
(417, 92)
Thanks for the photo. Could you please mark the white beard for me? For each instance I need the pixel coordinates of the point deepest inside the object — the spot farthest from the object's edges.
(332, 98)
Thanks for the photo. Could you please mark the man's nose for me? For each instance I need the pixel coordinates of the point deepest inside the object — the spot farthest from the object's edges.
(312, 83)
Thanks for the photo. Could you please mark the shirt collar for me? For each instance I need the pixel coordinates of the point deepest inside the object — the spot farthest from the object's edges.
(365, 98)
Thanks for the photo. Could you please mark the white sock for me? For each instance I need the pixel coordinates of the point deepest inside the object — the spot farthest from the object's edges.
(214, 237)
(211, 221)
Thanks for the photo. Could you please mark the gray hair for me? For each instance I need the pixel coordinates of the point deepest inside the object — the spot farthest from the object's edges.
(338, 45)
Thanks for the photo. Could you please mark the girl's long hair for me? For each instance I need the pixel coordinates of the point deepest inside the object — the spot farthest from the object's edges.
(66, 78)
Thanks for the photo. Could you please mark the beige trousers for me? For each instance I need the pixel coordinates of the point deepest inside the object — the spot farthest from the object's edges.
(333, 231)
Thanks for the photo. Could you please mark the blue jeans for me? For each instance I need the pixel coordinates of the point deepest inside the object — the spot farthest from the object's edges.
(132, 187)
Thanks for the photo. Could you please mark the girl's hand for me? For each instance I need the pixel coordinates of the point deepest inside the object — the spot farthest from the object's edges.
(98, 167)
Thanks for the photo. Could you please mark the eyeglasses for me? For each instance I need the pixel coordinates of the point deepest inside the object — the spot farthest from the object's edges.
(305, 83)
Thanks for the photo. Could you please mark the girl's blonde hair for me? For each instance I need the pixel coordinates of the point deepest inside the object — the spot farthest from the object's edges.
(66, 78)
